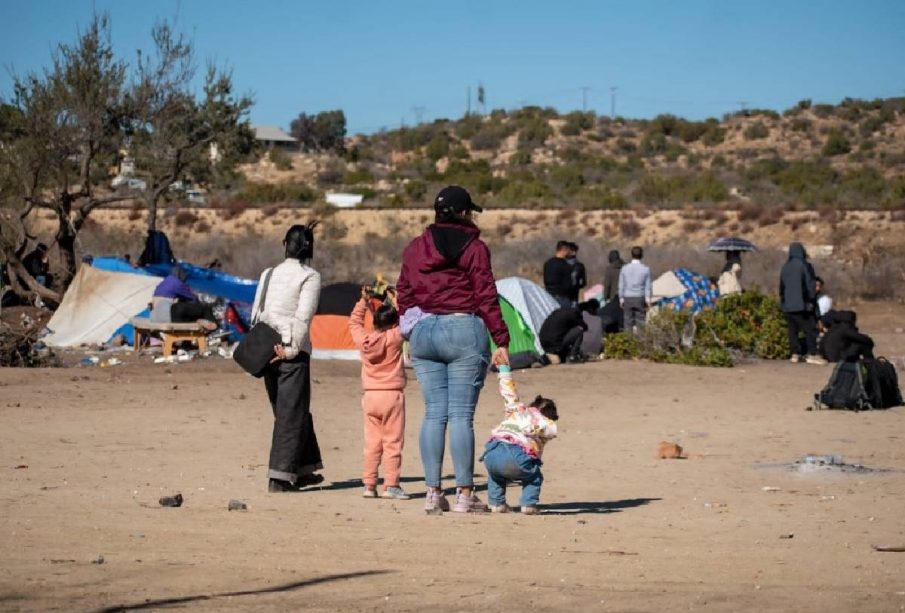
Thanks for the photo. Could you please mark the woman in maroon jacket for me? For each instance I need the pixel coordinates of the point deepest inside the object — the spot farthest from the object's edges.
(446, 290)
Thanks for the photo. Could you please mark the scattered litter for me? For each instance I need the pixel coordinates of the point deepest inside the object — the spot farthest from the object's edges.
(171, 501)
(98, 560)
(890, 548)
(91, 360)
(20, 466)
(787, 536)
(61, 561)
(669, 451)
(832, 462)
(770, 488)
(111, 362)
(237, 505)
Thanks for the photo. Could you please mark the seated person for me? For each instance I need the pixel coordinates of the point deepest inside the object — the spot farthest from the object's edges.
(592, 339)
(175, 302)
(824, 303)
(562, 332)
(842, 342)
(37, 263)
(611, 317)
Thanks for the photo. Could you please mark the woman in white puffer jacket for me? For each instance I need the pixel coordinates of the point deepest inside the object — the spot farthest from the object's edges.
(292, 295)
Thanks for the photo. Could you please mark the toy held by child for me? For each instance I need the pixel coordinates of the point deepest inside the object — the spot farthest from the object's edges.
(383, 402)
(513, 453)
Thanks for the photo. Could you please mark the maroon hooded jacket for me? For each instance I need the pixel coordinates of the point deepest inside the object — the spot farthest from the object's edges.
(447, 270)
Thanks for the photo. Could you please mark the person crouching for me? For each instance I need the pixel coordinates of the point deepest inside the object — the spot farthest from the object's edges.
(513, 453)
(383, 402)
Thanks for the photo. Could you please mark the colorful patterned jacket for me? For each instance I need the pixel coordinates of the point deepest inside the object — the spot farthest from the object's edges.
(524, 426)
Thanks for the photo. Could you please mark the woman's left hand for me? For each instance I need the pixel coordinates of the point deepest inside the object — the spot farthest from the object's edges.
(500, 356)
(280, 352)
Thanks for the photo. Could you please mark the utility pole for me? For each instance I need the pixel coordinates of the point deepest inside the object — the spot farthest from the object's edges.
(613, 89)
(743, 106)
(584, 97)
(482, 98)
(468, 101)
(419, 114)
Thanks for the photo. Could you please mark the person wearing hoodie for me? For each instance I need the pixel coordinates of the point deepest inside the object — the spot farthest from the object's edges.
(843, 342)
(174, 302)
(383, 402)
(293, 291)
(611, 276)
(797, 293)
(447, 301)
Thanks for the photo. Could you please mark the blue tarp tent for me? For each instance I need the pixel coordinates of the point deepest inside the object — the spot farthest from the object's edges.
(699, 295)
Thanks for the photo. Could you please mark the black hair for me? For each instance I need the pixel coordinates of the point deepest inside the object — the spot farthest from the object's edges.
(41, 248)
(546, 407)
(563, 245)
(590, 306)
(448, 215)
(637, 252)
(820, 280)
(573, 247)
(299, 241)
(385, 317)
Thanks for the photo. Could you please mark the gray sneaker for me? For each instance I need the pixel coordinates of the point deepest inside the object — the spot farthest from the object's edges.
(435, 502)
(500, 508)
(469, 504)
(396, 492)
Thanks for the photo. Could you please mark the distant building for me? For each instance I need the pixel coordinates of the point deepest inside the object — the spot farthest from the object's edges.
(344, 201)
(273, 137)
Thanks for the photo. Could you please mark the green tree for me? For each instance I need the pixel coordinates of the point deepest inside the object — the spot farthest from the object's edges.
(836, 144)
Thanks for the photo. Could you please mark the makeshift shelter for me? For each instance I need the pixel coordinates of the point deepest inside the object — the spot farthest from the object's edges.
(687, 291)
(97, 304)
(525, 306)
(330, 336)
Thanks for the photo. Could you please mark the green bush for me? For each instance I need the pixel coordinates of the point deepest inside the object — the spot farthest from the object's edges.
(468, 126)
(523, 192)
(836, 144)
(274, 192)
(534, 132)
(415, 189)
(280, 159)
(490, 135)
(756, 131)
(621, 346)
(438, 146)
(361, 175)
(577, 122)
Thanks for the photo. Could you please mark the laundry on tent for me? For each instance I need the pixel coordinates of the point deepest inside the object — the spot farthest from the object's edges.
(684, 290)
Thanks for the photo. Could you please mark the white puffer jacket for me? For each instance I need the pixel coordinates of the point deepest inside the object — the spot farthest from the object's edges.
(292, 298)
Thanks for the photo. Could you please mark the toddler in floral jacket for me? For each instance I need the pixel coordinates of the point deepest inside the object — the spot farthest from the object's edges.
(513, 453)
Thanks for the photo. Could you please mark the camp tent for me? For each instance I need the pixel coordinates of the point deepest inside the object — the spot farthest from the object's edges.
(525, 306)
(694, 292)
(97, 303)
(330, 336)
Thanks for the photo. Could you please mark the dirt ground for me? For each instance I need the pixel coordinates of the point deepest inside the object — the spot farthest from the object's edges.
(85, 453)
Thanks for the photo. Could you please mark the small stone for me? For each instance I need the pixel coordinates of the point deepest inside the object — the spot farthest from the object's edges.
(171, 501)
(98, 560)
(237, 505)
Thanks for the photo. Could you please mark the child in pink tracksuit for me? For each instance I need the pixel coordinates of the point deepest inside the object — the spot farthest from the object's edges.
(383, 381)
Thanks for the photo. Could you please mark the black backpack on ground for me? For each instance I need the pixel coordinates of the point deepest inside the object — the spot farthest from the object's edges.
(845, 389)
(882, 384)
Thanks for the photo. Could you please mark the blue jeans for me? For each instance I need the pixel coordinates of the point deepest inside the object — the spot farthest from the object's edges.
(507, 463)
(451, 354)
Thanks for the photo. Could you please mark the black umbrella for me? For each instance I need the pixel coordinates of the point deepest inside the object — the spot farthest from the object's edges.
(731, 243)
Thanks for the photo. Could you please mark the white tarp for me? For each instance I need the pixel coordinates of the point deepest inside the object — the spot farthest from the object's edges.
(529, 299)
(667, 285)
(97, 304)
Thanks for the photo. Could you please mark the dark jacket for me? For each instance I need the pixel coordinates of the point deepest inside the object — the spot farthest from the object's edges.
(447, 270)
(35, 265)
(797, 285)
(843, 342)
(611, 276)
(578, 278)
(557, 324)
(558, 277)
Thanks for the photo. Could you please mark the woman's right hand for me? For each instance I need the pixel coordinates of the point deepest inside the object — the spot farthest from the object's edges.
(500, 356)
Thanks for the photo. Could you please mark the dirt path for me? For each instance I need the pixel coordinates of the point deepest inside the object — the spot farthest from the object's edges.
(730, 528)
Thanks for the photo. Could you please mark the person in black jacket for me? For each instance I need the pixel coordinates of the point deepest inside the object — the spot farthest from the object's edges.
(842, 341)
(558, 274)
(797, 295)
(37, 263)
(579, 278)
(562, 332)
(611, 277)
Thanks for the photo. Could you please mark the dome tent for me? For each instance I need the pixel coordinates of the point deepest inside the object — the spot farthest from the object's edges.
(525, 306)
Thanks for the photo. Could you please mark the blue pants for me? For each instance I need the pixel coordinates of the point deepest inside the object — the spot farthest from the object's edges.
(507, 463)
(451, 354)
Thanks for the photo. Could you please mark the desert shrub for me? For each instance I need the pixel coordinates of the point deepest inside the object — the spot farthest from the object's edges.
(567, 177)
(280, 159)
(490, 135)
(522, 192)
(416, 189)
(333, 230)
(468, 126)
(801, 125)
(653, 144)
(333, 173)
(438, 146)
(756, 131)
(233, 209)
(577, 122)
(275, 192)
(521, 157)
(459, 153)
(359, 175)
(621, 346)
(474, 175)
(629, 229)
(623, 145)
(184, 218)
(534, 132)
(750, 323)
(836, 144)
(596, 197)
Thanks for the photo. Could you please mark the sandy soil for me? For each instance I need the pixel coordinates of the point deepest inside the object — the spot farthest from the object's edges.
(86, 452)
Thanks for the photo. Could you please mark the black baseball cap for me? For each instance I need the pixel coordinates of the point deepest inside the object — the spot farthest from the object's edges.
(455, 199)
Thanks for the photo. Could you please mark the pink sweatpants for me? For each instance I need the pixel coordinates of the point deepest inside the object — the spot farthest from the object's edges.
(384, 420)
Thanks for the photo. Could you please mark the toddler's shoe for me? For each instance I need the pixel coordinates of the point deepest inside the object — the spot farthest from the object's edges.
(369, 493)
(530, 510)
(435, 502)
(395, 492)
(500, 508)
(469, 504)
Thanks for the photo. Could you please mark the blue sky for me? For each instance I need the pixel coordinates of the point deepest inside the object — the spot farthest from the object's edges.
(379, 61)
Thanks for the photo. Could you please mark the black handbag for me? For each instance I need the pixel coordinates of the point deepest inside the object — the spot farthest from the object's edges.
(255, 351)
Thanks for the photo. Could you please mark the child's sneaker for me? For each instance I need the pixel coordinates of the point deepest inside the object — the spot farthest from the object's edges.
(369, 492)
(530, 510)
(435, 502)
(500, 508)
(469, 504)
(396, 492)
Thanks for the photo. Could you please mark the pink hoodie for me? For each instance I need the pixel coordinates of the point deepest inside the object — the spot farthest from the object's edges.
(381, 353)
